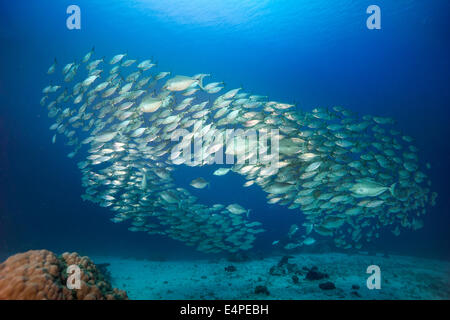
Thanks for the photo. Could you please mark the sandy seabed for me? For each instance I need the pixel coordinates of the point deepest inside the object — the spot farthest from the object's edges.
(401, 278)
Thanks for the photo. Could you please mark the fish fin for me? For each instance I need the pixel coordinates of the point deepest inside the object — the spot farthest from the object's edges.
(248, 212)
(392, 189)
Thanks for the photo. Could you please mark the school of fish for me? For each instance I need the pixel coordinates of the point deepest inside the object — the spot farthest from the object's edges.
(348, 175)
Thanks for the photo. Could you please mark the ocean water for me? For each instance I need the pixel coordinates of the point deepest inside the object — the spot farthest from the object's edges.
(313, 54)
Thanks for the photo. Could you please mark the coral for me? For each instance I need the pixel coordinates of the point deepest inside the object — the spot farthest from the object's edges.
(103, 268)
(41, 275)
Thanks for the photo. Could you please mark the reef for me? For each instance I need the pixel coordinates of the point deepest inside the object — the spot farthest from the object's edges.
(42, 275)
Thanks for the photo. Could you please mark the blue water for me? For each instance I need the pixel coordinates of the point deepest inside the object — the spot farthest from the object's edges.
(313, 53)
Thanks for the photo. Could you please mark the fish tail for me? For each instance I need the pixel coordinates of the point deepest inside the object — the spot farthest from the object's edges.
(392, 189)
(200, 81)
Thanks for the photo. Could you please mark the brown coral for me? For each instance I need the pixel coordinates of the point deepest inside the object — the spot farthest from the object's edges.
(40, 274)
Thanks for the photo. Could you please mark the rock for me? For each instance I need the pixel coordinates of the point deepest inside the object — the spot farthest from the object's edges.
(356, 294)
(355, 287)
(293, 268)
(315, 274)
(230, 269)
(327, 286)
(284, 260)
(262, 290)
(277, 271)
(284, 267)
(295, 279)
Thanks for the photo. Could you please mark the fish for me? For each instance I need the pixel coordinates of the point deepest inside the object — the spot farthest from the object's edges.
(68, 67)
(309, 241)
(52, 68)
(145, 65)
(88, 55)
(199, 183)
(150, 104)
(128, 63)
(88, 81)
(292, 230)
(370, 188)
(236, 209)
(117, 58)
(347, 175)
(221, 171)
(105, 137)
(181, 83)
